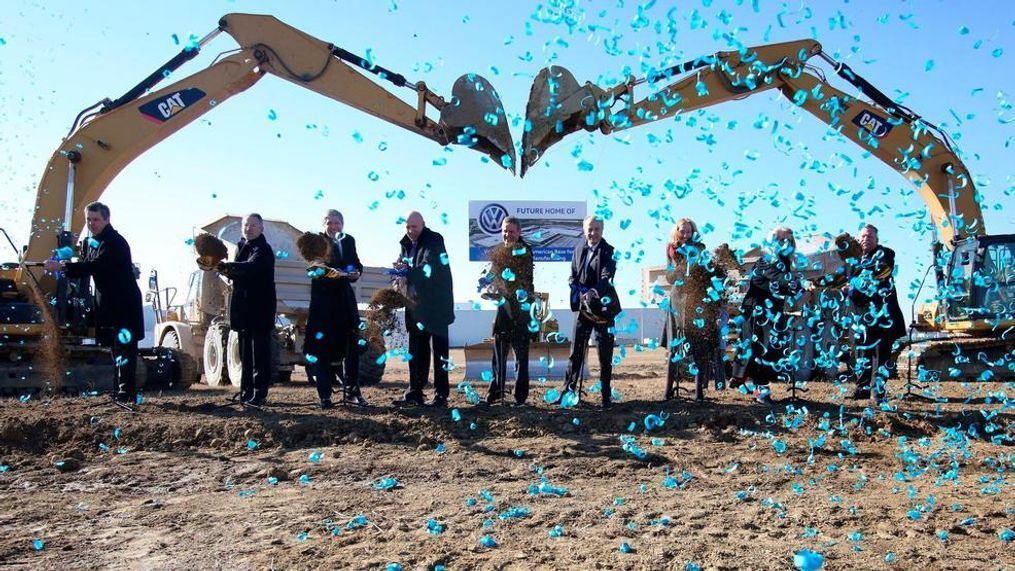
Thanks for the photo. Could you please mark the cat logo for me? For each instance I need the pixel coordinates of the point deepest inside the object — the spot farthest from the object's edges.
(879, 127)
(164, 108)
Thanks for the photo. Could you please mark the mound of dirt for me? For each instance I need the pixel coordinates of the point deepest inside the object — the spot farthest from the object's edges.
(730, 483)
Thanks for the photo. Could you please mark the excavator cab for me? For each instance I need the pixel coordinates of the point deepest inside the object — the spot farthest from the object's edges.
(981, 279)
(994, 291)
(957, 290)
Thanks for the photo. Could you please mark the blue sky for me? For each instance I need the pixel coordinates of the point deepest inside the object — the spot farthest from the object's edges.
(738, 169)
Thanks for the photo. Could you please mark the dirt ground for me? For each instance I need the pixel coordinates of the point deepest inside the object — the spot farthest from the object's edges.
(729, 484)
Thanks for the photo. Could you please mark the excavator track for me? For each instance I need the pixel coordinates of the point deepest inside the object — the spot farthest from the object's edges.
(80, 369)
(961, 359)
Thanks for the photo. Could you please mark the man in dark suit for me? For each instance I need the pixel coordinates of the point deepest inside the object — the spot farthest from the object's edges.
(875, 301)
(252, 307)
(332, 341)
(511, 325)
(429, 286)
(595, 300)
(119, 323)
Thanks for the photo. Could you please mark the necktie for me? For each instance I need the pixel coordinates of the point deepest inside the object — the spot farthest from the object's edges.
(586, 260)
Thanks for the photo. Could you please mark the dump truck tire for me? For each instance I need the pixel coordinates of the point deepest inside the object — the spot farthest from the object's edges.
(233, 362)
(185, 366)
(370, 372)
(216, 373)
(275, 356)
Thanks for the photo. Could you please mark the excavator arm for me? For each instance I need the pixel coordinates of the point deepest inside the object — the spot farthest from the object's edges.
(109, 135)
(912, 147)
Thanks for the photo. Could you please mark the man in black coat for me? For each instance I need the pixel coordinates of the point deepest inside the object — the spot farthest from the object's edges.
(429, 286)
(595, 300)
(332, 341)
(119, 323)
(511, 325)
(876, 307)
(252, 307)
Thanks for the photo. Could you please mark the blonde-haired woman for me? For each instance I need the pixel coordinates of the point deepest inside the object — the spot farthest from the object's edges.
(692, 332)
(765, 339)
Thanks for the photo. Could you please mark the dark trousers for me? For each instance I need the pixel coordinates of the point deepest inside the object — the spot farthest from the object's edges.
(345, 366)
(877, 356)
(604, 344)
(502, 343)
(125, 368)
(255, 357)
(419, 366)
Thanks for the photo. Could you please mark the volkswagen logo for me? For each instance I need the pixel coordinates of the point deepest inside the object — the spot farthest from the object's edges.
(490, 218)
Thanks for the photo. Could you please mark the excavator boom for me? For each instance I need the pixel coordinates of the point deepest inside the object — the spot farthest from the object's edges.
(100, 145)
(916, 149)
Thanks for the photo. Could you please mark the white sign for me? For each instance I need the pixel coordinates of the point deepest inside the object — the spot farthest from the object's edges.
(553, 229)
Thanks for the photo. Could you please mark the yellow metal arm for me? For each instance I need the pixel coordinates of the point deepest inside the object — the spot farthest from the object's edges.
(100, 145)
(897, 137)
(100, 149)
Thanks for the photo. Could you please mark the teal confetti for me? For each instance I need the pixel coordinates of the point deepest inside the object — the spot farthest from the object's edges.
(807, 560)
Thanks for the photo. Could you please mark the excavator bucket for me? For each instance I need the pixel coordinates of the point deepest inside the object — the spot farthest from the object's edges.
(475, 117)
(557, 107)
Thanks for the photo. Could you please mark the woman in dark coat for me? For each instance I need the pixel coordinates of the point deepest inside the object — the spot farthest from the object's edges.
(692, 331)
(765, 331)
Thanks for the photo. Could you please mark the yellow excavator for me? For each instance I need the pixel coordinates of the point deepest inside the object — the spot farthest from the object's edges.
(968, 333)
(107, 136)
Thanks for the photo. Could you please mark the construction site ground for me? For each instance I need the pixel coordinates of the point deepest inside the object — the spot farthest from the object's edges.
(728, 484)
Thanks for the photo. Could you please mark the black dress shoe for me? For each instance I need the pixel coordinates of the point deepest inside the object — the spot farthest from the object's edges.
(254, 402)
(356, 400)
(438, 402)
(862, 393)
(125, 398)
(326, 404)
